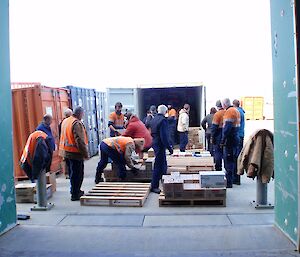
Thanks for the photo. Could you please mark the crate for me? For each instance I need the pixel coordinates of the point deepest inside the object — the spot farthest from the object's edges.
(212, 179)
(26, 193)
(190, 164)
(117, 194)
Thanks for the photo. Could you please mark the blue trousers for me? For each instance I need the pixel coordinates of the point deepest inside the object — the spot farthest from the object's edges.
(230, 163)
(160, 165)
(117, 158)
(172, 130)
(209, 146)
(76, 173)
(218, 156)
(183, 138)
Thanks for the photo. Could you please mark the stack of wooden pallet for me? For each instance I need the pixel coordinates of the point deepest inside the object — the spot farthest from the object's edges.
(186, 190)
(190, 164)
(117, 194)
(143, 175)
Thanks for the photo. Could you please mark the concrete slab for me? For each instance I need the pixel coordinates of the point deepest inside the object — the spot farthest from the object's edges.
(46, 219)
(103, 220)
(186, 220)
(251, 219)
(141, 241)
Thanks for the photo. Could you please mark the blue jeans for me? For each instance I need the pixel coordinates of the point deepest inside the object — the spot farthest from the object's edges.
(183, 137)
(209, 146)
(76, 173)
(117, 158)
(218, 156)
(230, 163)
(160, 165)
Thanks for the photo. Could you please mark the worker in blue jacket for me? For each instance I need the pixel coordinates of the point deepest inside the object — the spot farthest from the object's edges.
(160, 134)
(230, 142)
(216, 135)
(45, 127)
(236, 104)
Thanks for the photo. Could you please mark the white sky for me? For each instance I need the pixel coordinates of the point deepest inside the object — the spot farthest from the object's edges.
(123, 43)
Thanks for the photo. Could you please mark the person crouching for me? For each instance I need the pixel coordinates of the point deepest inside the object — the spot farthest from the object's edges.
(120, 150)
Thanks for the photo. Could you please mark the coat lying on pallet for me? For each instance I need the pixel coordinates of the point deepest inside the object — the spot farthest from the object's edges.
(257, 156)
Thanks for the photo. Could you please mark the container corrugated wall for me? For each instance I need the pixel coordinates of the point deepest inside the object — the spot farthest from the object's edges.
(86, 98)
(101, 115)
(29, 106)
(253, 106)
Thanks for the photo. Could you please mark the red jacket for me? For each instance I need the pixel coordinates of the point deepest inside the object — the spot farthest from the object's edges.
(136, 129)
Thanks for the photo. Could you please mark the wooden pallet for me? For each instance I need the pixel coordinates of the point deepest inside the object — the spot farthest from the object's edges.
(190, 164)
(117, 194)
(178, 202)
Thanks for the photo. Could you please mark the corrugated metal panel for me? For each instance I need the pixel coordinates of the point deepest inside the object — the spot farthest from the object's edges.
(29, 106)
(86, 98)
(127, 96)
(253, 106)
(101, 115)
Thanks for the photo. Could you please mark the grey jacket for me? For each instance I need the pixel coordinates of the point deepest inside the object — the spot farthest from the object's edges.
(207, 120)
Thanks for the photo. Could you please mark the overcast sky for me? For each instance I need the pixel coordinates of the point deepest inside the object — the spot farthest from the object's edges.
(124, 43)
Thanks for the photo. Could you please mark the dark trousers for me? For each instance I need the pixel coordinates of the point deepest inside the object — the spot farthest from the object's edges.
(230, 163)
(218, 156)
(241, 144)
(172, 129)
(183, 138)
(209, 146)
(76, 173)
(160, 165)
(117, 158)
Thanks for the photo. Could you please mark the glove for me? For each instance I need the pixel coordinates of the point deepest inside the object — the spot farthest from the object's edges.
(171, 151)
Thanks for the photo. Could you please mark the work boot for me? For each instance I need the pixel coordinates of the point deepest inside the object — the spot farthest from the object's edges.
(75, 198)
(155, 190)
(98, 180)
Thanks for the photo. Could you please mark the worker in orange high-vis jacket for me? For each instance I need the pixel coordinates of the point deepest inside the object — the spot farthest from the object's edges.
(73, 146)
(172, 120)
(37, 154)
(216, 135)
(230, 142)
(120, 150)
(116, 122)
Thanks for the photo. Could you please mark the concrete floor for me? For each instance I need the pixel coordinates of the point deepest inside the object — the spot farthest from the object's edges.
(73, 230)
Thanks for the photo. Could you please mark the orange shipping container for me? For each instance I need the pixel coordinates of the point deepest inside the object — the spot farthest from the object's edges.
(29, 106)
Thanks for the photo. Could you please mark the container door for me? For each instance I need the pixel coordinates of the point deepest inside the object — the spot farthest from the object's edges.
(7, 193)
(286, 117)
(101, 115)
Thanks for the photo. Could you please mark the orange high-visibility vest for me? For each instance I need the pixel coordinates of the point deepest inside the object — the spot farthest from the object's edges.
(118, 143)
(67, 140)
(29, 148)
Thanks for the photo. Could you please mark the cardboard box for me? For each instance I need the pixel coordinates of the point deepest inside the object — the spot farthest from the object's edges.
(26, 193)
(51, 179)
(212, 179)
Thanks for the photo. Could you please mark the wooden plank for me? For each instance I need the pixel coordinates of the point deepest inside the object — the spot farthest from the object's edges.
(115, 194)
(116, 191)
(191, 202)
(123, 184)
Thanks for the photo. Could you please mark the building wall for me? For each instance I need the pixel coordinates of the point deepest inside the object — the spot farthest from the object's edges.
(286, 118)
(7, 192)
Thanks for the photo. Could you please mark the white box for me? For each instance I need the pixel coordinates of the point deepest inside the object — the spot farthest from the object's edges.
(212, 179)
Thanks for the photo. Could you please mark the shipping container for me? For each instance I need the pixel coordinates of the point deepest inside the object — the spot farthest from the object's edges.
(253, 106)
(138, 100)
(30, 104)
(102, 116)
(86, 98)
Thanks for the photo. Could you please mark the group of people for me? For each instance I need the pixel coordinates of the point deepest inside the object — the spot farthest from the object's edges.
(128, 135)
(224, 131)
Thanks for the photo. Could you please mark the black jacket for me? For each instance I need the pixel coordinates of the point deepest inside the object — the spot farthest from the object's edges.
(41, 160)
(159, 131)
